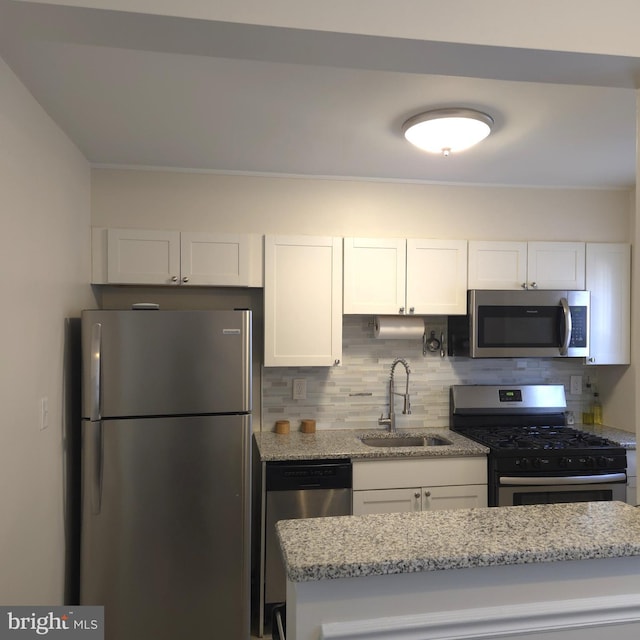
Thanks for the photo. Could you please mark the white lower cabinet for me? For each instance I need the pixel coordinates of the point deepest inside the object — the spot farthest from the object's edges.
(419, 499)
(419, 484)
(632, 479)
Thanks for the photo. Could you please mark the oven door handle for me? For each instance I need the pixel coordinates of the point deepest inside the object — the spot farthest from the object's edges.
(550, 480)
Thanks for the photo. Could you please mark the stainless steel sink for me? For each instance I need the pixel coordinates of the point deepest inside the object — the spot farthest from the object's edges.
(401, 440)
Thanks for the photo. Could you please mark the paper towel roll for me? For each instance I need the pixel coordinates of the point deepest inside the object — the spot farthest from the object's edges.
(398, 327)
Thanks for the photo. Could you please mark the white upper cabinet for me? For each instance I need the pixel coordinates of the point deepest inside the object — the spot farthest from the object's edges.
(608, 278)
(302, 301)
(437, 277)
(136, 256)
(526, 265)
(212, 258)
(143, 256)
(375, 275)
(398, 276)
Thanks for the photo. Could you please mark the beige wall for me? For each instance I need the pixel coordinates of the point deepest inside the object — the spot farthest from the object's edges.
(44, 205)
(213, 202)
(228, 203)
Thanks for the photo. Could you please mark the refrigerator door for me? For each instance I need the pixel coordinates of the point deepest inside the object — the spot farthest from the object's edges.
(167, 551)
(157, 363)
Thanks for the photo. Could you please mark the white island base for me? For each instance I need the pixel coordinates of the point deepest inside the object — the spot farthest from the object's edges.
(579, 599)
(547, 572)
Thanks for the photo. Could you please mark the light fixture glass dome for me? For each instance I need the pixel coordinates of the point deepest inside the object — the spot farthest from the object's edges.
(446, 131)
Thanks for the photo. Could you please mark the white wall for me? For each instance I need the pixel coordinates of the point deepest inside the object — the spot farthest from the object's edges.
(44, 259)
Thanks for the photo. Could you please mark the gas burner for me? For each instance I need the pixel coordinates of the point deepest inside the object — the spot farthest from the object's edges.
(535, 437)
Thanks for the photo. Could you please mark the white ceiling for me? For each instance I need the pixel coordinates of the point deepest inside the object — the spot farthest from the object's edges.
(133, 89)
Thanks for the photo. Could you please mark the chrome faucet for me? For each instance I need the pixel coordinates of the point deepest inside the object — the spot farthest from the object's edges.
(390, 420)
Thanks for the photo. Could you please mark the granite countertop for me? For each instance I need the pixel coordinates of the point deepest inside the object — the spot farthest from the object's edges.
(625, 439)
(345, 443)
(381, 544)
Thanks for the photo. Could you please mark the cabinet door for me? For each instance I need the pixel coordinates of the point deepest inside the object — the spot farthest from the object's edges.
(497, 265)
(556, 265)
(387, 501)
(608, 278)
(214, 259)
(303, 301)
(437, 277)
(374, 275)
(454, 497)
(136, 256)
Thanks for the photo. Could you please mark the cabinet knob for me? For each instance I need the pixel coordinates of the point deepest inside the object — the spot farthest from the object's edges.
(174, 279)
(412, 309)
(401, 309)
(416, 494)
(427, 494)
(524, 285)
(185, 279)
(534, 285)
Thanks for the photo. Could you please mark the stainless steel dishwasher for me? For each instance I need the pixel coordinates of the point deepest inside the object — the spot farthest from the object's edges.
(300, 489)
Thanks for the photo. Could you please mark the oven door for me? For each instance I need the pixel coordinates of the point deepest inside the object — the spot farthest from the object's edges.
(517, 490)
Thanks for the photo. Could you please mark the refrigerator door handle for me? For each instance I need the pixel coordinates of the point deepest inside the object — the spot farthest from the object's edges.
(95, 466)
(96, 345)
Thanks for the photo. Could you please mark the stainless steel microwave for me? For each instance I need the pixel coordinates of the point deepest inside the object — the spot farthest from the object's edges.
(522, 324)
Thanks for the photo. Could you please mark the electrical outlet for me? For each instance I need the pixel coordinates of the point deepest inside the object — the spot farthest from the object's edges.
(576, 385)
(299, 389)
(44, 413)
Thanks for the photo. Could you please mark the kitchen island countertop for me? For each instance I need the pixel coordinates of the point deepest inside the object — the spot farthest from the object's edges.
(383, 544)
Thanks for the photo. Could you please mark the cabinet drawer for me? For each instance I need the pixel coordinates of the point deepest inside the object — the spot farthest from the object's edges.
(418, 472)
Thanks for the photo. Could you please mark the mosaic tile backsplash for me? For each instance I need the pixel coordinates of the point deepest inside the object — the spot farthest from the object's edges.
(354, 395)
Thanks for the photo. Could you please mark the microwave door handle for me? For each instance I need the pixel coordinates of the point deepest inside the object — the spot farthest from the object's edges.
(566, 311)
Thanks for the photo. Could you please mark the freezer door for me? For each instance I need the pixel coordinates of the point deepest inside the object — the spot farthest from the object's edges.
(154, 363)
(167, 550)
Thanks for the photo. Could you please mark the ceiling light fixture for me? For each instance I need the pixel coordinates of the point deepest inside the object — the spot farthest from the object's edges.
(446, 131)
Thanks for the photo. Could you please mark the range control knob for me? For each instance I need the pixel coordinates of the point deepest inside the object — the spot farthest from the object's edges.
(523, 463)
(604, 461)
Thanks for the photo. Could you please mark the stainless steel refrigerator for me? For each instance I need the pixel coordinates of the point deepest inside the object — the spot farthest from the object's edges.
(165, 540)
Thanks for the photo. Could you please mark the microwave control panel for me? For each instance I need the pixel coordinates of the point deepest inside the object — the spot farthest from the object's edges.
(578, 327)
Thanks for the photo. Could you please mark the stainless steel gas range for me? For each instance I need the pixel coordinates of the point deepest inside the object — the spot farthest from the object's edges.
(534, 458)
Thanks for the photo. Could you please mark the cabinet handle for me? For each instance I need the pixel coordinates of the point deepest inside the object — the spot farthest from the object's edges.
(427, 494)
(336, 362)
(174, 279)
(185, 279)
